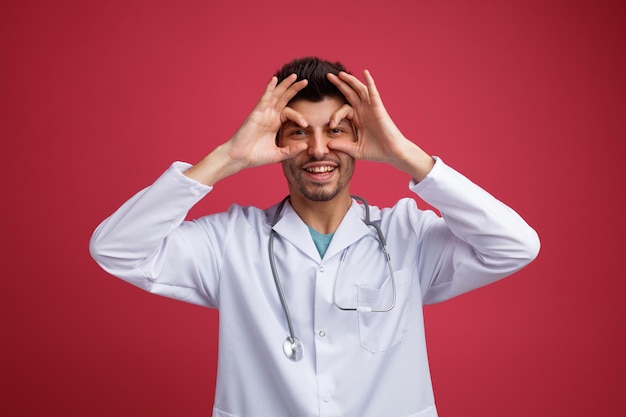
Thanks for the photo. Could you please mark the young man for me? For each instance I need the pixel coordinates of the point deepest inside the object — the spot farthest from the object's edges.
(315, 318)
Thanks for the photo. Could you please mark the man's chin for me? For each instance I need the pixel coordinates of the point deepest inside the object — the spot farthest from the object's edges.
(324, 192)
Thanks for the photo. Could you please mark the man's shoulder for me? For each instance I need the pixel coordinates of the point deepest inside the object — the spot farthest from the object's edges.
(400, 207)
(239, 213)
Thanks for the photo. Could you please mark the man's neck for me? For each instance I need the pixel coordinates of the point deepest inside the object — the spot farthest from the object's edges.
(323, 216)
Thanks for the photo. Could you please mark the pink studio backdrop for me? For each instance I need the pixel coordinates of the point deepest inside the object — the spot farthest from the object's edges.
(98, 98)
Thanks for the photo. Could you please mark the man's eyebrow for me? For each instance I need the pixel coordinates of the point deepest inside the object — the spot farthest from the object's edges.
(291, 123)
(342, 122)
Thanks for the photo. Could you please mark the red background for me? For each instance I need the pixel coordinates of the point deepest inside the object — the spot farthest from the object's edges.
(97, 98)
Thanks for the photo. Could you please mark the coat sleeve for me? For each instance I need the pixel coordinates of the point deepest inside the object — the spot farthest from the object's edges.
(148, 243)
(478, 240)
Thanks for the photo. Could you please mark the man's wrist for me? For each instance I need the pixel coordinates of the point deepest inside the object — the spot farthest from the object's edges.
(414, 161)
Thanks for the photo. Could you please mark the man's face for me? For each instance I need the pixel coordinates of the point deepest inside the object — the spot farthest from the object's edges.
(318, 173)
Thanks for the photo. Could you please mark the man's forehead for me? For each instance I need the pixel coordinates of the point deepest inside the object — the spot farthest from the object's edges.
(317, 110)
(327, 100)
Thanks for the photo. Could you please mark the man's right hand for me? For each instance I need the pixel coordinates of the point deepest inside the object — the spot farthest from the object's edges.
(254, 144)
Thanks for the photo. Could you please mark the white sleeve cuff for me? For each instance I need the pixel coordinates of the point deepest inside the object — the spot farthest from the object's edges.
(416, 187)
(177, 170)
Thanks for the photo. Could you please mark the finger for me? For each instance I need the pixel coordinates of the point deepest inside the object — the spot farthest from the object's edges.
(291, 92)
(371, 85)
(272, 84)
(344, 112)
(344, 145)
(349, 93)
(356, 85)
(268, 94)
(284, 84)
(290, 114)
(275, 90)
(291, 150)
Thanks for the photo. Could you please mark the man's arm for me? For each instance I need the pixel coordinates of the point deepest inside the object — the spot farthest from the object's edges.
(146, 241)
(479, 240)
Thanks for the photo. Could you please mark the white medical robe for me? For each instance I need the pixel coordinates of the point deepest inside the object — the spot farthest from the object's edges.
(355, 364)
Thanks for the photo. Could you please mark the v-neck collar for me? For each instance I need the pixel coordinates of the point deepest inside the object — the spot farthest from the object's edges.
(291, 227)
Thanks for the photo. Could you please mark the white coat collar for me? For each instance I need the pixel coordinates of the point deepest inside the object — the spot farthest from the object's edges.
(291, 227)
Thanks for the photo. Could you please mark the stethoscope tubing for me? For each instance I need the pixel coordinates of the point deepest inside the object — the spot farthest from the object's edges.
(279, 286)
(292, 346)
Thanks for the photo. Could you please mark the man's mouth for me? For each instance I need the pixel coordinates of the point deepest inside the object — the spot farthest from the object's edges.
(320, 169)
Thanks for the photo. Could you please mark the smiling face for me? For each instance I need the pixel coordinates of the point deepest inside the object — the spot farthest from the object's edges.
(318, 173)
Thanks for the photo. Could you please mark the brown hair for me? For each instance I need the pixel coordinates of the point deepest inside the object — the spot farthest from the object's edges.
(314, 70)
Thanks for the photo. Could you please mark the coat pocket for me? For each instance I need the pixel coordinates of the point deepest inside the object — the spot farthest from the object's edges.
(380, 331)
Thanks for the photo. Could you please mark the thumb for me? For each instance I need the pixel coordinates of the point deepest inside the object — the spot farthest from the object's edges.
(346, 146)
(291, 150)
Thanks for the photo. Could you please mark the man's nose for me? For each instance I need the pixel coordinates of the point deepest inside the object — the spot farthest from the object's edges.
(318, 145)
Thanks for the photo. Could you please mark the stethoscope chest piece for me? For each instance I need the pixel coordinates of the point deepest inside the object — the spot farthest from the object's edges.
(293, 348)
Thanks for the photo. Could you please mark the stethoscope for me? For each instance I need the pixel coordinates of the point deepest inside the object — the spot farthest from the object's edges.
(292, 346)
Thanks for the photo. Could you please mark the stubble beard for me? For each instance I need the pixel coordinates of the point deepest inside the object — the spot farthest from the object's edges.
(318, 192)
(313, 191)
